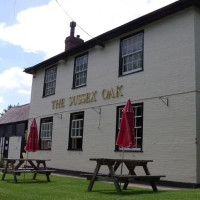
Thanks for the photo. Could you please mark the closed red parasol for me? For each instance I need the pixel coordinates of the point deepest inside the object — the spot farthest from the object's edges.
(32, 142)
(126, 135)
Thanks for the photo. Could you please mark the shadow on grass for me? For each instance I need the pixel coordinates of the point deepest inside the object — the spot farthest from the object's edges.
(126, 192)
(26, 181)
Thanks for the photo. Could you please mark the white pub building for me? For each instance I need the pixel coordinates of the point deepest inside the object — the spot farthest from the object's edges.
(78, 95)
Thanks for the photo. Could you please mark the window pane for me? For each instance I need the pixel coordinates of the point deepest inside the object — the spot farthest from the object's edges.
(46, 133)
(50, 81)
(81, 71)
(132, 54)
(76, 135)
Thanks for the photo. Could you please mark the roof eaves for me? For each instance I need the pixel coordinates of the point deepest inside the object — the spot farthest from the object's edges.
(64, 55)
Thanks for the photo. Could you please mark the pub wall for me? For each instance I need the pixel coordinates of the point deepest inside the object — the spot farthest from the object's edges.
(168, 131)
(198, 135)
(197, 72)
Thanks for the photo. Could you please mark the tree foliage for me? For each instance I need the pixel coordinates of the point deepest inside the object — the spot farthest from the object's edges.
(8, 108)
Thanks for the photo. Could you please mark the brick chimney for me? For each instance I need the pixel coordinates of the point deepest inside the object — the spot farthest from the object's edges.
(72, 41)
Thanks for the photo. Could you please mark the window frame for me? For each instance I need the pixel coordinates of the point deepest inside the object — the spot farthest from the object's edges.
(47, 121)
(2, 139)
(74, 139)
(74, 86)
(121, 73)
(137, 149)
(52, 81)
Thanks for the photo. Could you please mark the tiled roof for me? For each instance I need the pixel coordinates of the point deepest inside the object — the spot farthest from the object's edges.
(16, 114)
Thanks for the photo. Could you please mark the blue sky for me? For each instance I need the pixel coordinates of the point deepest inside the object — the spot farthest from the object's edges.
(34, 30)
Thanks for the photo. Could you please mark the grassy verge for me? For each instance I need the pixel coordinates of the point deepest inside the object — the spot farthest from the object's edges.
(65, 188)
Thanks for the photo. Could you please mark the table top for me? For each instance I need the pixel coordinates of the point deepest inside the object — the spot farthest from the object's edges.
(24, 159)
(120, 160)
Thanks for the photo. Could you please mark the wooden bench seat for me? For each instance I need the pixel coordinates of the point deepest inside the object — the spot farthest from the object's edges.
(101, 177)
(24, 168)
(28, 170)
(124, 178)
(19, 171)
(138, 177)
(39, 171)
(127, 178)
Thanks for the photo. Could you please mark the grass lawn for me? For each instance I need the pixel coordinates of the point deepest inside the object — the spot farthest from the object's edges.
(66, 188)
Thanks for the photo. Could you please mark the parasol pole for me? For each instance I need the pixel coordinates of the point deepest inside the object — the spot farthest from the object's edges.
(26, 156)
(122, 165)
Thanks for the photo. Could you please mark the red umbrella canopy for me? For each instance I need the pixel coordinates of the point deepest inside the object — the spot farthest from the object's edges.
(32, 142)
(126, 135)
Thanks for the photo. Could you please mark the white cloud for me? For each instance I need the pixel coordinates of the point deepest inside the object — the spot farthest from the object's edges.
(15, 80)
(1, 100)
(26, 92)
(45, 28)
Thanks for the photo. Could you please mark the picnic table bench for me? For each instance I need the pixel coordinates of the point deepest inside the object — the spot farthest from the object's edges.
(113, 165)
(18, 166)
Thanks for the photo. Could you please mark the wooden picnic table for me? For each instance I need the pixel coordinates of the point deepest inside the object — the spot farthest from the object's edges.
(18, 166)
(113, 165)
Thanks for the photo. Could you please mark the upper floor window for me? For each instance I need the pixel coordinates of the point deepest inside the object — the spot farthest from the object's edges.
(46, 133)
(50, 81)
(131, 58)
(138, 118)
(80, 71)
(76, 131)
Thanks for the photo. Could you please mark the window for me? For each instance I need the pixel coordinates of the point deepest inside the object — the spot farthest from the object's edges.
(76, 131)
(131, 58)
(50, 81)
(20, 129)
(46, 133)
(1, 141)
(1, 146)
(2, 131)
(10, 130)
(80, 71)
(138, 117)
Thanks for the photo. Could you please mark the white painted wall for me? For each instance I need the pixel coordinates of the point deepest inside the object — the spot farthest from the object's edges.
(197, 59)
(14, 149)
(168, 132)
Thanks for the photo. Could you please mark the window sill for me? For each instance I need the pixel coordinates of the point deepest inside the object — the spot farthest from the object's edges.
(74, 149)
(48, 95)
(79, 86)
(140, 70)
(130, 151)
(44, 150)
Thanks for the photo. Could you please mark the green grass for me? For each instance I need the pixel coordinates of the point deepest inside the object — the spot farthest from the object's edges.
(65, 188)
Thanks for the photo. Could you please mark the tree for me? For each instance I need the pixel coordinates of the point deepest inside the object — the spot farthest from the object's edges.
(8, 108)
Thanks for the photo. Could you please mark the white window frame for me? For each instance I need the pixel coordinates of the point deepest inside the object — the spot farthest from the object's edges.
(76, 131)
(1, 141)
(77, 128)
(80, 70)
(132, 54)
(46, 135)
(46, 130)
(50, 81)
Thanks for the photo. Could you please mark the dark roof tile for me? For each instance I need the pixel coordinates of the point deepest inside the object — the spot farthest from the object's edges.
(15, 114)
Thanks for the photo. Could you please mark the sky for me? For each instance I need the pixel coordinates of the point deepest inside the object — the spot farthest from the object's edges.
(32, 31)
